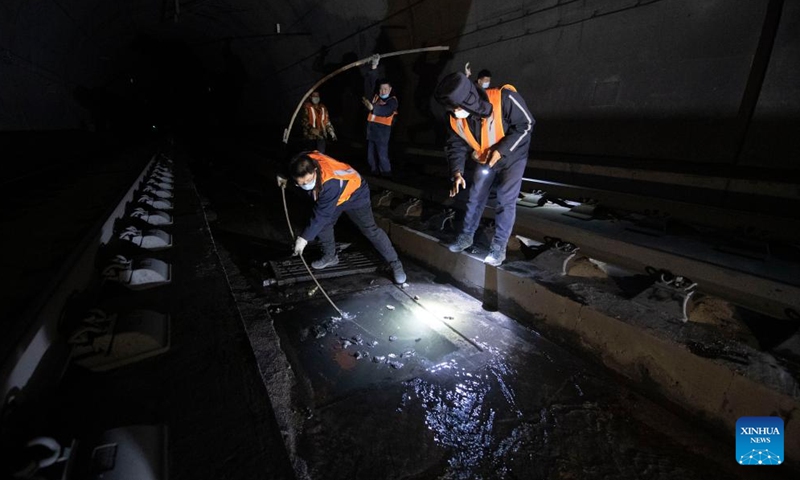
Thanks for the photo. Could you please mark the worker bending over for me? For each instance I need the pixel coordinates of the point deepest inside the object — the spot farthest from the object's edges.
(337, 188)
(317, 124)
(502, 122)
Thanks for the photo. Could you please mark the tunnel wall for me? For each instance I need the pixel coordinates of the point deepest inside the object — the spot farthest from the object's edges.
(676, 80)
(671, 79)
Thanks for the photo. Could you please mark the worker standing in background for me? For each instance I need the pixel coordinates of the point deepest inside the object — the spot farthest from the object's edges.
(501, 120)
(484, 79)
(316, 123)
(382, 110)
(337, 188)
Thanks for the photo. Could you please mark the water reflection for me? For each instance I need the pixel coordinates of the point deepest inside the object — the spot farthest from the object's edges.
(462, 409)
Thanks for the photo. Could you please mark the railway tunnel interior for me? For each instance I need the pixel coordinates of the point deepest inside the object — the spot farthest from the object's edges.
(650, 299)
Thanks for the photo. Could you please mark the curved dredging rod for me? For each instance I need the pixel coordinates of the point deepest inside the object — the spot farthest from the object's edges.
(344, 315)
(348, 67)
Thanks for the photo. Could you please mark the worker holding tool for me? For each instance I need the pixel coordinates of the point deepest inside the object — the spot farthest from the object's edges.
(484, 79)
(317, 124)
(337, 188)
(382, 110)
(501, 120)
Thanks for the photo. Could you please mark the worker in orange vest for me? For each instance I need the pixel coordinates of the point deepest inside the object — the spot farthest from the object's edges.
(381, 112)
(493, 127)
(316, 123)
(337, 188)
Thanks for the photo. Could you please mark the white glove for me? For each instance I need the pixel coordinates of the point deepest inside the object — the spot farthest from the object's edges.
(375, 59)
(467, 70)
(299, 246)
(281, 181)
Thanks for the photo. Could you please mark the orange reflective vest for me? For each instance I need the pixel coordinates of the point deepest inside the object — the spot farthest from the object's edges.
(491, 127)
(317, 115)
(333, 170)
(371, 117)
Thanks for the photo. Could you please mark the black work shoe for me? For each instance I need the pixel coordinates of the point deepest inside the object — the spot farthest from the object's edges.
(325, 262)
(398, 273)
(462, 243)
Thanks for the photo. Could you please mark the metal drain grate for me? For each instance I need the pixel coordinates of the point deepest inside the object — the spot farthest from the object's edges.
(291, 271)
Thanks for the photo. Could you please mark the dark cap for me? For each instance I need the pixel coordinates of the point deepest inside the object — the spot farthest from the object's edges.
(455, 90)
(484, 73)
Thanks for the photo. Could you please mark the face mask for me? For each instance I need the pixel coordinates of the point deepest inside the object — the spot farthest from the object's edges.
(461, 113)
(384, 96)
(310, 185)
(315, 100)
(485, 85)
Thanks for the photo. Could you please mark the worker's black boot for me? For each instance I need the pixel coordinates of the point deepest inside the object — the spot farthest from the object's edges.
(397, 272)
(325, 262)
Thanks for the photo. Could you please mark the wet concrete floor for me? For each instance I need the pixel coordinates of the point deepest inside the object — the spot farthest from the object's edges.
(450, 390)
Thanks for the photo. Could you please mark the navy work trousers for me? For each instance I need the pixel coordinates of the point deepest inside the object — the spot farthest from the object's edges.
(316, 144)
(378, 157)
(365, 222)
(509, 180)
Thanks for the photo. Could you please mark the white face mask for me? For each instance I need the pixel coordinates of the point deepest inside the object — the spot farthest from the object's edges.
(485, 85)
(309, 185)
(315, 100)
(461, 113)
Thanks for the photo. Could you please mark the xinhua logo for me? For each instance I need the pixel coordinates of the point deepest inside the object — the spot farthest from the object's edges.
(759, 441)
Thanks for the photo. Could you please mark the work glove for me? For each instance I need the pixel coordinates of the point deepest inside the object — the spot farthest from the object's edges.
(281, 181)
(467, 70)
(299, 246)
(374, 60)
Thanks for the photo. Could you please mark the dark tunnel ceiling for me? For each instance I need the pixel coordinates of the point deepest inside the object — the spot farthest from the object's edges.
(674, 79)
(88, 42)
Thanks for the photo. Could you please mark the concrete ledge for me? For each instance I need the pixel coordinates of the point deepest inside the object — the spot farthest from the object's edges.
(633, 340)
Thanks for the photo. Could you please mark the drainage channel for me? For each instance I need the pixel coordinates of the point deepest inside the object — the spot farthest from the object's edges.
(425, 382)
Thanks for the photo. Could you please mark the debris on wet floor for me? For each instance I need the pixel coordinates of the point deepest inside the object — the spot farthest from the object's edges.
(510, 406)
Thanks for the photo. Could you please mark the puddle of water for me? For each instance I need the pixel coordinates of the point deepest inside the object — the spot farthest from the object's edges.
(368, 346)
(461, 408)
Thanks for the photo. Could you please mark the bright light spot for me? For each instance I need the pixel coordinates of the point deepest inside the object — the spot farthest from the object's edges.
(427, 319)
(485, 171)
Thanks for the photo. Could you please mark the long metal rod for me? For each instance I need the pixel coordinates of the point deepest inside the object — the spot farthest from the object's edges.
(348, 67)
(291, 230)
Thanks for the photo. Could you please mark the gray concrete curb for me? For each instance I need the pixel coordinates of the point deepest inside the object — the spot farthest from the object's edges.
(653, 358)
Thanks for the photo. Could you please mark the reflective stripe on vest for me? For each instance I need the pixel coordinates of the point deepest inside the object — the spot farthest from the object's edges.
(491, 127)
(335, 170)
(371, 117)
(316, 122)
